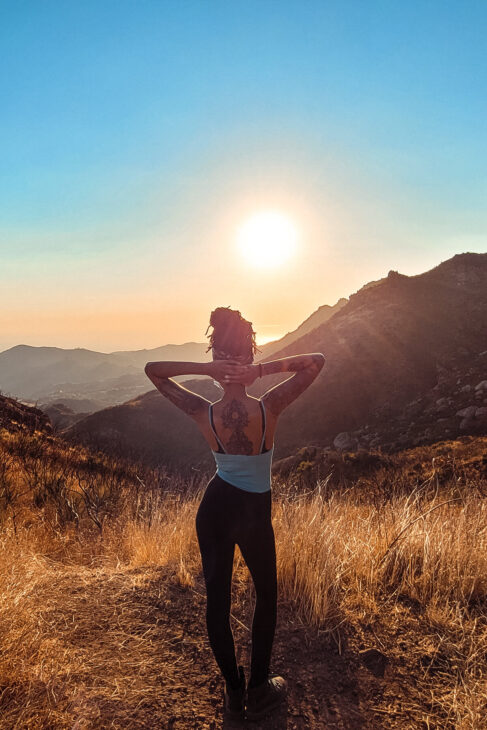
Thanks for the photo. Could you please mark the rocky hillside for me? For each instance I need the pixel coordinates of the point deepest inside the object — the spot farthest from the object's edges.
(404, 359)
(15, 416)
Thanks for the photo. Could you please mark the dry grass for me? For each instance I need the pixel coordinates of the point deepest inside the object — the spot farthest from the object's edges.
(68, 615)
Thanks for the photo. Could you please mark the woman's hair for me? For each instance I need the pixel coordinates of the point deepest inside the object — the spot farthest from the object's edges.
(232, 334)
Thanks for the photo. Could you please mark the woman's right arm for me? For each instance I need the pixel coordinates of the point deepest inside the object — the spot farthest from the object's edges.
(305, 369)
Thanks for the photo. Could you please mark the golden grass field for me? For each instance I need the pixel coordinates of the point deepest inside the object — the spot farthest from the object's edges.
(102, 600)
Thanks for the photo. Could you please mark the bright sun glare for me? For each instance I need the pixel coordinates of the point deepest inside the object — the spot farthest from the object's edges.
(267, 239)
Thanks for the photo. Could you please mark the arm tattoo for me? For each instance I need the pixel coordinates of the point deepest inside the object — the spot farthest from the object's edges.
(189, 402)
(298, 365)
(295, 363)
(279, 397)
(235, 417)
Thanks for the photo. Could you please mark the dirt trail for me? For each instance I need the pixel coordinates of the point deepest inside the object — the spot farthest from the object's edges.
(129, 650)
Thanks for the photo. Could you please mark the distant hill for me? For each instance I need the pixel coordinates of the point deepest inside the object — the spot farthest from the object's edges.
(405, 365)
(61, 415)
(53, 374)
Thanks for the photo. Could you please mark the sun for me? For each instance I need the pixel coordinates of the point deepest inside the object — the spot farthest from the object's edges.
(267, 239)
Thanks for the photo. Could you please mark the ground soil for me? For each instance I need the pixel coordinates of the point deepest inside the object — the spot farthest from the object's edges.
(138, 654)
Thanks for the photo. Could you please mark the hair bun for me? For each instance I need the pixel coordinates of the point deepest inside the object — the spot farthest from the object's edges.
(231, 333)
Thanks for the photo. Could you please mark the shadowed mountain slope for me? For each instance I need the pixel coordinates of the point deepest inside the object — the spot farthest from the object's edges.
(392, 343)
(15, 416)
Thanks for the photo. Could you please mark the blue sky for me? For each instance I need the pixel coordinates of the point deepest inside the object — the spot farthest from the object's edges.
(136, 136)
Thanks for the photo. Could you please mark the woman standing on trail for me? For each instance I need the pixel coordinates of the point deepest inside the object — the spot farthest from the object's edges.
(236, 506)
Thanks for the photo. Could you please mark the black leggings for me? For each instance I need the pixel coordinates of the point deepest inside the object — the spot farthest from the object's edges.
(227, 516)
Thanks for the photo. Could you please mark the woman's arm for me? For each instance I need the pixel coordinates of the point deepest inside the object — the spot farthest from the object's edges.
(294, 364)
(167, 369)
(305, 369)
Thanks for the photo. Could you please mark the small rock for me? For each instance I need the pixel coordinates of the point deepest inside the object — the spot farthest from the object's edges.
(482, 386)
(481, 413)
(467, 412)
(343, 441)
(466, 389)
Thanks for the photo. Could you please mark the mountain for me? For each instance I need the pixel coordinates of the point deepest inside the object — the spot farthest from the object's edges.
(392, 352)
(319, 317)
(54, 374)
(187, 352)
(406, 364)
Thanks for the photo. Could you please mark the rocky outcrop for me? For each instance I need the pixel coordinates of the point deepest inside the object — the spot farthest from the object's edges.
(344, 442)
(462, 410)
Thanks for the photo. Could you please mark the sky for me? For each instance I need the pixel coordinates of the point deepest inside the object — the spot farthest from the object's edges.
(138, 137)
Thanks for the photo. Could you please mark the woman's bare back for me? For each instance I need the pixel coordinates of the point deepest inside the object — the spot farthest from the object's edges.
(238, 424)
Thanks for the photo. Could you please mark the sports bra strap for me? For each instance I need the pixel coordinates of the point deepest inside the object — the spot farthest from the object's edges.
(263, 427)
(210, 411)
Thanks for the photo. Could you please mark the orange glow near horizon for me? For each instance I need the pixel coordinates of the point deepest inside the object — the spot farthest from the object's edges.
(267, 239)
(264, 339)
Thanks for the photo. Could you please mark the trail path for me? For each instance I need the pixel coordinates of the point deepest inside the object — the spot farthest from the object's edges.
(128, 649)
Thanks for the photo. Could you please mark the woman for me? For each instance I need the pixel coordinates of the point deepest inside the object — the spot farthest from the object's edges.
(236, 506)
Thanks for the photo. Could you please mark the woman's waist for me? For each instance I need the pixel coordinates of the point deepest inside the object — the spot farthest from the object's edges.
(241, 484)
(243, 458)
(254, 463)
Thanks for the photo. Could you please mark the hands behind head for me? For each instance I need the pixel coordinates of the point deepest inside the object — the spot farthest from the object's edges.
(228, 372)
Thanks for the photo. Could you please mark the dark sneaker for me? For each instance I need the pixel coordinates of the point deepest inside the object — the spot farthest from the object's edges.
(234, 699)
(264, 698)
